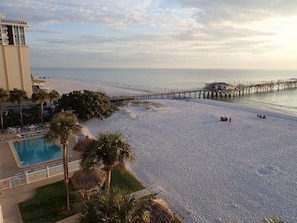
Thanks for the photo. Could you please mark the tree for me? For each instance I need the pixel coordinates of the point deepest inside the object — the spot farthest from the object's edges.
(40, 98)
(110, 149)
(4, 95)
(114, 207)
(62, 126)
(53, 95)
(16, 96)
(87, 104)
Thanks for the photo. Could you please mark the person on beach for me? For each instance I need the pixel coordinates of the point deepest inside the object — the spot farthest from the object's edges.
(230, 120)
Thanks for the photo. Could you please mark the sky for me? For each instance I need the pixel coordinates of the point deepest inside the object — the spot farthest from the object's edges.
(256, 34)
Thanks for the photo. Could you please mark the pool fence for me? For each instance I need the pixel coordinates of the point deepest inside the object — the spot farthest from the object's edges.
(28, 177)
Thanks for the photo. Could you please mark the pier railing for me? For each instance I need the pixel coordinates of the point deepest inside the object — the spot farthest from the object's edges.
(233, 91)
(36, 175)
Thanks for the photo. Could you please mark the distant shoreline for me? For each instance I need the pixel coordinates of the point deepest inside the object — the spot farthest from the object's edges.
(265, 101)
(64, 85)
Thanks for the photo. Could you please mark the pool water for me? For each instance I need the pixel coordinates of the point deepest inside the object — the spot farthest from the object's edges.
(36, 150)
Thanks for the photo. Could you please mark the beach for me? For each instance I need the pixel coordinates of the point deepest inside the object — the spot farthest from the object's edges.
(208, 170)
(64, 86)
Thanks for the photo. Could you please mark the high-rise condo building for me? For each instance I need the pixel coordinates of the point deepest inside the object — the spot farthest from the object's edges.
(15, 69)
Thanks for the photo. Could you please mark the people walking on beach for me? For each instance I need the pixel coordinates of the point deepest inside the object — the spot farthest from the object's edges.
(230, 119)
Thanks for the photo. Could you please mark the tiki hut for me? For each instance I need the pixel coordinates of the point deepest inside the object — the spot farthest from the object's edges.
(89, 181)
(80, 145)
(159, 210)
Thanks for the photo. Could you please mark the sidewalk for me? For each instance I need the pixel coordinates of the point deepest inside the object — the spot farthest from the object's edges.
(10, 198)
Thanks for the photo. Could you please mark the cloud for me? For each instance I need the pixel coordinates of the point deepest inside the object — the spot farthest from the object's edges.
(153, 32)
(218, 11)
(52, 11)
(220, 34)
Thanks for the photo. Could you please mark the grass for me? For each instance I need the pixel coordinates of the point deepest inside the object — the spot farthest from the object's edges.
(37, 81)
(125, 181)
(146, 104)
(176, 221)
(47, 205)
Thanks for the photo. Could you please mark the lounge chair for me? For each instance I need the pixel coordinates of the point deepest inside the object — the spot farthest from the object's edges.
(39, 132)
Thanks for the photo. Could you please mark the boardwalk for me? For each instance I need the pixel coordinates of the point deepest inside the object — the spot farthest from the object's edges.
(236, 90)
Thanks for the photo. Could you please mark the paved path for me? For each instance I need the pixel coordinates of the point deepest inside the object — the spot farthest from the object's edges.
(10, 198)
(141, 193)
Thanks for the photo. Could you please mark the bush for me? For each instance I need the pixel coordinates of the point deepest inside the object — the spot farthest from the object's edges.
(87, 104)
(273, 220)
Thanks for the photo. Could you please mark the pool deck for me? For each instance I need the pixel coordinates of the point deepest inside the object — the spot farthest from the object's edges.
(8, 165)
(10, 198)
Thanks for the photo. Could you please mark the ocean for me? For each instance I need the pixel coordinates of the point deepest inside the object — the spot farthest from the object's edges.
(172, 79)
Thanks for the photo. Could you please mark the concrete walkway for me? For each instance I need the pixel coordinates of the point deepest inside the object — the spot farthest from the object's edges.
(10, 198)
(72, 219)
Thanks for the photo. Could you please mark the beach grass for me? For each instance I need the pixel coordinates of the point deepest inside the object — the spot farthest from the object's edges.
(146, 104)
(37, 81)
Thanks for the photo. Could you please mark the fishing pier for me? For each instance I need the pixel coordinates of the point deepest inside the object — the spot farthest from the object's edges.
(214, 90)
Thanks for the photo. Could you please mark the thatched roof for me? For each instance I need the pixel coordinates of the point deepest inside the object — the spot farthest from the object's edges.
(159, 210)
(80, 145)
(86, 180)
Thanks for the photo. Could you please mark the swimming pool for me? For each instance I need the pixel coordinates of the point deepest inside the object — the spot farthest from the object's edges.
(35, 150)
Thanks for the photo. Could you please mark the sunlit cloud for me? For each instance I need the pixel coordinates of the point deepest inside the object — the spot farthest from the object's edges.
(158, 33)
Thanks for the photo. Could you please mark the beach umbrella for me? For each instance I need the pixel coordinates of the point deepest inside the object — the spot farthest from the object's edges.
(88, 179)
(81, 144)
(159, 210)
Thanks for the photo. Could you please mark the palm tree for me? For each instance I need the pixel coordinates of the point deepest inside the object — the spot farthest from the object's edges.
(16, 96)
(114, 207)
(40, 98)
(4, 95)
(62, 126)
(53, 95)
(108, 149)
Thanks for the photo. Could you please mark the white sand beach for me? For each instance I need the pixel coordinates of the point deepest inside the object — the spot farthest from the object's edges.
(207, 170)
(63, 86)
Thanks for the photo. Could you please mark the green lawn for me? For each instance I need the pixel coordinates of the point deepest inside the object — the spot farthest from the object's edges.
(46, 206)
(125, 181)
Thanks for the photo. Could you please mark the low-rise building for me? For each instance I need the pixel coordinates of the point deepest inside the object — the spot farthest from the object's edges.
(219, 86)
